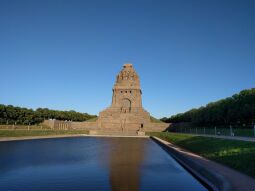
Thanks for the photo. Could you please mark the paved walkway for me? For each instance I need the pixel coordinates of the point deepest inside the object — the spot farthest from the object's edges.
(239, 181)
(62, 136)
(37, 137)
(252, 139)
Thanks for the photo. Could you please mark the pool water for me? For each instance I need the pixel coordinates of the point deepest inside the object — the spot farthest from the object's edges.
(89, 163)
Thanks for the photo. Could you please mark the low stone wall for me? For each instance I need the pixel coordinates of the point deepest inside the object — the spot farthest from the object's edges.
(57, 124)
(84, 125)
(49, 123)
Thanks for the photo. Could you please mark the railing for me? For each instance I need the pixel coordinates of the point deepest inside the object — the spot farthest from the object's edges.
(24, 127)
(247, 131)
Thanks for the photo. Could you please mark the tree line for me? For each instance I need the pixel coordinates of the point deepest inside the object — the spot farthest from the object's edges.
(18, 115)
(238, 109)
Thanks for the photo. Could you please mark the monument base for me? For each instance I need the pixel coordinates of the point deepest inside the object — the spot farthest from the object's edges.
(113, 132)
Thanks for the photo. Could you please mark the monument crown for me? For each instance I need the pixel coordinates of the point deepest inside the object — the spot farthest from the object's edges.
(127, 78)
(127, 88)
(128, 65)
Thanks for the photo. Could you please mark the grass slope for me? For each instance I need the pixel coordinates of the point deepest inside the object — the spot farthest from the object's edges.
(239, 155)
(92, 119)
(155, 120)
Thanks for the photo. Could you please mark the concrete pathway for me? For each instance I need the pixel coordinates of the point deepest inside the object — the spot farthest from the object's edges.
(37, 137)
(237, 180)
(62, 136)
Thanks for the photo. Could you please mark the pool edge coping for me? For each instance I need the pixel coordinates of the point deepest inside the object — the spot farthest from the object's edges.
(215, 181)
(23, 138)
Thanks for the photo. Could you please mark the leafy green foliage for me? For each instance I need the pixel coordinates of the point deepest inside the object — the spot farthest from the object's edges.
(238, 109)
(232, 153)
(11, 115)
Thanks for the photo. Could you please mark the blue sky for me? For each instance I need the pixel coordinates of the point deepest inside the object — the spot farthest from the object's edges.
(65, 54)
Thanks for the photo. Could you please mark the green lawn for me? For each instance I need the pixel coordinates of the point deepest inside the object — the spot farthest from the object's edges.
(92, 119)
(20, 133)
(239, 155)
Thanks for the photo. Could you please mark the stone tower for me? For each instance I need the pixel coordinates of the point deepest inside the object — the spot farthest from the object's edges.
(126, 112)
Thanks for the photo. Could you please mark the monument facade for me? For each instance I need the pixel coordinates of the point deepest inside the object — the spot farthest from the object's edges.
(125, 115)
(126, 111)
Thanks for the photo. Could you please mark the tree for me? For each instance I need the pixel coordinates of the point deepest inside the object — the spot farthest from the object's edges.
(240, 108)
(11, 114)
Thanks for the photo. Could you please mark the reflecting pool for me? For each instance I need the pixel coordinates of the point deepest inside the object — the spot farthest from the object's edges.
(89, 163)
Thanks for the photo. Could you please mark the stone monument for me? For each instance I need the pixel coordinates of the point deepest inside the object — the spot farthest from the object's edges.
(125, 115)
(126, 112)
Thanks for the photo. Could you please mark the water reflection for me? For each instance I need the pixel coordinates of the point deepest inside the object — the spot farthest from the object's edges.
(126, 158)
(46, 152)
(91, 164)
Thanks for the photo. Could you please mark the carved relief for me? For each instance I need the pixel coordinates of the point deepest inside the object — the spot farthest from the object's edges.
(127, 75)
(126, 106)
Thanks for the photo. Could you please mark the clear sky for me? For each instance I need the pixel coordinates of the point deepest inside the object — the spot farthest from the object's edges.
(65, 54)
